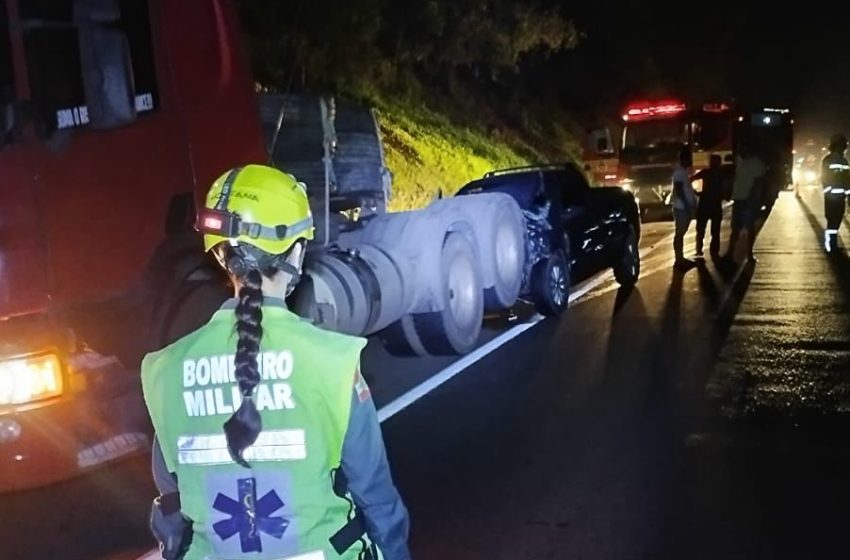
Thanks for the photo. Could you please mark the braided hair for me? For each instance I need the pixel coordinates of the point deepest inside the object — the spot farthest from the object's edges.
(244, 426)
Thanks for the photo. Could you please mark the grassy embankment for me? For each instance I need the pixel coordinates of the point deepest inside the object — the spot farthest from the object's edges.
(429, 152)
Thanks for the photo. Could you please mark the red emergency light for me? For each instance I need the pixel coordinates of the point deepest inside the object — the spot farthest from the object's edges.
(647, 110)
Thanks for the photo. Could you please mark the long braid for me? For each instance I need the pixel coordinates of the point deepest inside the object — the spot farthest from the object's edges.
(243, 428)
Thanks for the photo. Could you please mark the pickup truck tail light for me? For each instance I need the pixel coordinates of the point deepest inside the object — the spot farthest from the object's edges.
(30, 379)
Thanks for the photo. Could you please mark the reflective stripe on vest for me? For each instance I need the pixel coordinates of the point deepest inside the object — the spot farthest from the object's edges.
(276, 445)
(317, 555)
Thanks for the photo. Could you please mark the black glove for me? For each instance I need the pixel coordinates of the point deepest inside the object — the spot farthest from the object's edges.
(171, 529)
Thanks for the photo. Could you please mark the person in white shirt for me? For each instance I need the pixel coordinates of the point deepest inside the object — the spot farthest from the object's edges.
(684, 202)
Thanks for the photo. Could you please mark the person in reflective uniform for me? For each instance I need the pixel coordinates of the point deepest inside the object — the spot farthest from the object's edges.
(835, 176)
(267, 442)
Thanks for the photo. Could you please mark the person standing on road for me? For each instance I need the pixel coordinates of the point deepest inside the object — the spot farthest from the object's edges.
(267, 440)
(710, 207)
(684, 202)
(835, 176)
(749, 172)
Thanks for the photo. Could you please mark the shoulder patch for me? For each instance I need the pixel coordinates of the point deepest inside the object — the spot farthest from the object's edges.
(360, 386)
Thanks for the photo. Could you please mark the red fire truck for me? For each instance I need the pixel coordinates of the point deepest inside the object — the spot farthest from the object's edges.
(650, 137)
(109, 121)
(115, 116)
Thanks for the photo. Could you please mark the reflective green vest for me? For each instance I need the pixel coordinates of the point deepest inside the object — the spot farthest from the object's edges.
(283, 506)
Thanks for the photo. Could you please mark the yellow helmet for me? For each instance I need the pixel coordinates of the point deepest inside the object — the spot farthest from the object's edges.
(256, 205)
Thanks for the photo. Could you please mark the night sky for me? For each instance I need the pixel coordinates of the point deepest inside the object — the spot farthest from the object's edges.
(763, 55)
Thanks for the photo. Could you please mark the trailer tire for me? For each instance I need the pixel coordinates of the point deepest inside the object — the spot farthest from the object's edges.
(359, 302)
(550, 284)
(504, 246)
(401, 339)
(455, 329)
(499, 229)
(345, 306)
(627, 266)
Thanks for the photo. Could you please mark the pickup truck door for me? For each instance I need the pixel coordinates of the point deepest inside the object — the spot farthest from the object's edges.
(577, 220)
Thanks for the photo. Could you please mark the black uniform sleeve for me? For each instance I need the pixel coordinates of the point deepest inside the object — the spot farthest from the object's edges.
(172, 530)
(364, 462)
(166, 482)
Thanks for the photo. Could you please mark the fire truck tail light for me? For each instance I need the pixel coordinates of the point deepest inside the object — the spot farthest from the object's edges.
(30, 379)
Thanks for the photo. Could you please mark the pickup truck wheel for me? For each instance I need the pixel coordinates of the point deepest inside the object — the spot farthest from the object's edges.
(455, 329)
(550, 285)
(627, 266)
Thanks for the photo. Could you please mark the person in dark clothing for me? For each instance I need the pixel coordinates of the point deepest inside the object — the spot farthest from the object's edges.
(710, 207)
(835, 175)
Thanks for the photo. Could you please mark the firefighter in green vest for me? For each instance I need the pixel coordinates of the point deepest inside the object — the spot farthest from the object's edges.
(268, 445)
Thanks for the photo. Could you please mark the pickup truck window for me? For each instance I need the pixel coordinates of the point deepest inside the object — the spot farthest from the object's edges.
(569, 184)
(523, 187)
(52, 47)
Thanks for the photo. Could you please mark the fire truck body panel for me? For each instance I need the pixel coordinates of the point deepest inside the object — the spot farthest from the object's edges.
(651, 135)
(85, 208)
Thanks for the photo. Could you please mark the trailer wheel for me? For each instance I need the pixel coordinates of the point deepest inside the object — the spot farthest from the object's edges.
(454, 329)
(627, 266)
(550, 284)
(507, 252)
(401, 339)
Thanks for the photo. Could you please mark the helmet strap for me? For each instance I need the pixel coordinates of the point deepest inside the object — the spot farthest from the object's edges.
(294, 276)
(226, 189)
(246, 258)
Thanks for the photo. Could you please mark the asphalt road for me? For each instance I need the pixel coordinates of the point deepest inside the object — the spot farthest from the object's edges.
(702, 415)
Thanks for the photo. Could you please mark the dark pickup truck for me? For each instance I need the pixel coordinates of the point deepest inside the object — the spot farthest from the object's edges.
(573, 230)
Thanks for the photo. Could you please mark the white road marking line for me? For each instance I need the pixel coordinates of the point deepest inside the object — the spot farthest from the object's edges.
(391, 409)
(405, 400)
